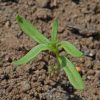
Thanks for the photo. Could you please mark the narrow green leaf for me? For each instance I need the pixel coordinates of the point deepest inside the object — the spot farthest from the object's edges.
(54, 31)
(71, 49)
(31, 54)
(31, 31)
(73, 76)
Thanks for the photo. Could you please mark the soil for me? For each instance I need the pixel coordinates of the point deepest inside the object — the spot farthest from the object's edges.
(79, 23)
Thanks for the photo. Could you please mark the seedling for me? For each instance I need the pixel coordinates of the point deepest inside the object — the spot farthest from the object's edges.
(53, 45)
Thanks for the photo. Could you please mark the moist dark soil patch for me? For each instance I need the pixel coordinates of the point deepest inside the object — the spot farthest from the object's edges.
(79, 22)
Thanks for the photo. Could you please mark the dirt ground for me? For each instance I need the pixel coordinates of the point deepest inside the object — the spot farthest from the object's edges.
(79, 23)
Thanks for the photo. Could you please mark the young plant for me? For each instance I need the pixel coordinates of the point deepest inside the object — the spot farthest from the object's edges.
(52, 45)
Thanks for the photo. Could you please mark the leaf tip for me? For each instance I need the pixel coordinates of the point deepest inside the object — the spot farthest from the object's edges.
(81, 54)
(56, 20)
(19, 18)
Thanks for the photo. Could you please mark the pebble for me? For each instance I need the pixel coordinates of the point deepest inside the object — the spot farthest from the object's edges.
(19, 34)
(42, 3)
(25, 98)
(89, 64)
(8, 59)
(31, 2)
(82, 60)
(91, 72)
(10, 88)
(92, 53)
(8, 24)
(88, 77)
(25, 86)
(85, 50)
(98, 56)
(43, 14)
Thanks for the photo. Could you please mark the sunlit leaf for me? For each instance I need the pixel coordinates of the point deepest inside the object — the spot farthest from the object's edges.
(73, 75)
(71, 49)
(31, 54)
(54, 31)
(31, 31)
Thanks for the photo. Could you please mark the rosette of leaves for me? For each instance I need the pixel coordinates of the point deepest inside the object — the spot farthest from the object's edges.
(53, 45)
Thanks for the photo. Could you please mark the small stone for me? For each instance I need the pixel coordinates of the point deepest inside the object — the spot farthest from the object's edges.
(9, 89)
(92, 53)
(98, 27)
(8, 24)
(46, 87)
(25, 86)
(31, 2)
(88, 64)
(97, 73)
(25, 98)
(82, 60)
(61, 29)
(86, 51)
(43, 14)
(8, 59)
(91, 72)
(88, 77)
(17, 97)
(54, 3)
(98, 56)
(43, 3)
(19, 34)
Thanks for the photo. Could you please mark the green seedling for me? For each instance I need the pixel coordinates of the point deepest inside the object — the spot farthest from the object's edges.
(52, 45)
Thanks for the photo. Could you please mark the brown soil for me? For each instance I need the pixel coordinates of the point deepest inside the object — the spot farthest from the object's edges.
(79, 22)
